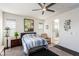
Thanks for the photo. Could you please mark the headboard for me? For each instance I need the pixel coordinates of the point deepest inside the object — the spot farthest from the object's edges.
(22, 34)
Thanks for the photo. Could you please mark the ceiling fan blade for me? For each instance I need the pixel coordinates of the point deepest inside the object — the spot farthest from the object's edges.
(50, 10)
(44, 4)
(40, 5)
(50, 5)
(42, 12)
(36, 9)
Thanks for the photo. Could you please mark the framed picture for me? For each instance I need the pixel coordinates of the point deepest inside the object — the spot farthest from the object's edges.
(28, 25)
(67, 25)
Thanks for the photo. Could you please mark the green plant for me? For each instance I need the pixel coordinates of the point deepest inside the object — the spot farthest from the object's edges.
(16, 34)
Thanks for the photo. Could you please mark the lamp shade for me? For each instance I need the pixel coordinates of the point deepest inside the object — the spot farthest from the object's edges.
(7, 28)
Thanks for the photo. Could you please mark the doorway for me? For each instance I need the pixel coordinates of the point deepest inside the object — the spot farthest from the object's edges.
(55, 32)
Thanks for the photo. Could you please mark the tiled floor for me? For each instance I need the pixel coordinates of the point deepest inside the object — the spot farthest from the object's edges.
(18, 51)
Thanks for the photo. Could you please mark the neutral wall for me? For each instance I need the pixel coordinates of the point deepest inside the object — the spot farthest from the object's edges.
(19, 23)
(68, 39)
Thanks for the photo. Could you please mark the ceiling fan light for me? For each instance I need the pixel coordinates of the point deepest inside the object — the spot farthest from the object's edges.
(44, 9)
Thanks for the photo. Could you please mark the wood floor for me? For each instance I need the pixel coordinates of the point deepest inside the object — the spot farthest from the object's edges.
(18, 51)
(58, 51)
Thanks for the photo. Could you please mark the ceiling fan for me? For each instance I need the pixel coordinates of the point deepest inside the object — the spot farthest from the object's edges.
(45, 7)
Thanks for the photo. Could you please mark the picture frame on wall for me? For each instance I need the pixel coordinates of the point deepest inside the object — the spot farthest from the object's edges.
(67, 25)
(28, 25)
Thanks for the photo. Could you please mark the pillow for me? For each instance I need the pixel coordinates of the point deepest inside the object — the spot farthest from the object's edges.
(30, 35)
(27, 35)
(33, 34)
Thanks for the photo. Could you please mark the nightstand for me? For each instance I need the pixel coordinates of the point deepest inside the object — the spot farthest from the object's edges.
(15, 42)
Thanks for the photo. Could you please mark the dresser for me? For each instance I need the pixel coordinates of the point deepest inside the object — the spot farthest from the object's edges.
(16, 42)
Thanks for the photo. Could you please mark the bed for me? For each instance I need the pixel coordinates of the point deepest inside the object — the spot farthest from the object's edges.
(31, 41)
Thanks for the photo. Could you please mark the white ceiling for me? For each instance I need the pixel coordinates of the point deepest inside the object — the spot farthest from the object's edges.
(26, 9)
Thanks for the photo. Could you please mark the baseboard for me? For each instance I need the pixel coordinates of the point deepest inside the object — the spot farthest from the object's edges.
(67, 50)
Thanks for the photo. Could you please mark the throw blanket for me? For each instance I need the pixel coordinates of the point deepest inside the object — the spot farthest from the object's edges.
(30, 42)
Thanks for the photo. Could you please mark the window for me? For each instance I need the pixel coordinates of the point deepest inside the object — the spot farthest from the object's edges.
(1, 31)
(11, 23)
(41, 27)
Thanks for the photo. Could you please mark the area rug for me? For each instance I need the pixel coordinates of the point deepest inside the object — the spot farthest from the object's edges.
(42, 52)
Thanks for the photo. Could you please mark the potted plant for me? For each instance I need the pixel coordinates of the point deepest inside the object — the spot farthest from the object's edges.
(16, 34)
